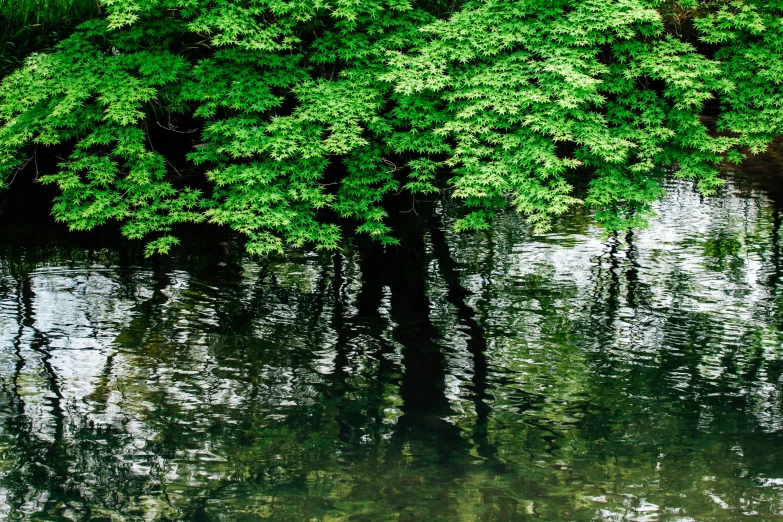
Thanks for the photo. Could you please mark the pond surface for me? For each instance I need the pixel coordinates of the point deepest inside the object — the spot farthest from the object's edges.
(498, 376)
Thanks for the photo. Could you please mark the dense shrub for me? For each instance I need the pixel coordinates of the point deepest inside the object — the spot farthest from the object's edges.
(491, 102)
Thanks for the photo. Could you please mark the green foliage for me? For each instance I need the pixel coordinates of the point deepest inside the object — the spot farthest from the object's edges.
(28, 26)
(47, 12)
(490, 102)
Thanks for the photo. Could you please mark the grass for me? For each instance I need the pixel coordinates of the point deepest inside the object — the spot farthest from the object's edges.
(45, 13)
(28, 26)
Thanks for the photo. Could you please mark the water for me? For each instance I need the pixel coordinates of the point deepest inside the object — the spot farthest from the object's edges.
(498, 376)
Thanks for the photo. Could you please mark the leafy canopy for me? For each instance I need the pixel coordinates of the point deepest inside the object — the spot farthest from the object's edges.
(491, 102)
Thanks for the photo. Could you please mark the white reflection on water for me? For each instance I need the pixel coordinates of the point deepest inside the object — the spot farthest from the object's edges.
(636, 378)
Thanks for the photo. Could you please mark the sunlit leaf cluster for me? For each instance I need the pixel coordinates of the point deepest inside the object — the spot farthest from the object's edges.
(312, 115)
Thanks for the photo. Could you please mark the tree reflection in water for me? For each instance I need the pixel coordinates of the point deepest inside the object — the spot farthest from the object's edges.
(496, 376)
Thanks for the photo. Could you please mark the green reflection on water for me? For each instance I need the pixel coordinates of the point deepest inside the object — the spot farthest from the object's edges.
(501, 376)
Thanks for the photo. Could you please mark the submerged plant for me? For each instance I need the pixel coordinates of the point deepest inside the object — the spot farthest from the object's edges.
(493, 103)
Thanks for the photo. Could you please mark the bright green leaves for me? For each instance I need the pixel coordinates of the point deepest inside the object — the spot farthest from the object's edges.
(223, 83)
(517, 78)
(343, 109)
(230, 23)
(267, 181)
(144, 14)
(272, 131)
(422, 176)
(97, 100)
(623, 199)
(598, 22)
(369, 178)
(271, 202)
(731, 21)
(311, 111)
(690, 79)
(123, 12)
(111, 175)
(656, 91)
(751, 56)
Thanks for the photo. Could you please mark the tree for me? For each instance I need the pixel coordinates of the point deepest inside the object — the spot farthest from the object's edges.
(491, 102)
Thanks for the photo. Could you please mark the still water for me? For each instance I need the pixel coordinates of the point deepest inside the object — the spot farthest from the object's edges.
(497, 376)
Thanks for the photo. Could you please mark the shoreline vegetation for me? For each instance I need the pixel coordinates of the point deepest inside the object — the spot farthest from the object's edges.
(292, 121)
(19, 13)
(28, 26)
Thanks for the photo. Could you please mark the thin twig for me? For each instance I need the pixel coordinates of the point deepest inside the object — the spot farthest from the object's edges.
(35, 159)
(147, 128)
(413, 207)
(172, 129)
(20, 169)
